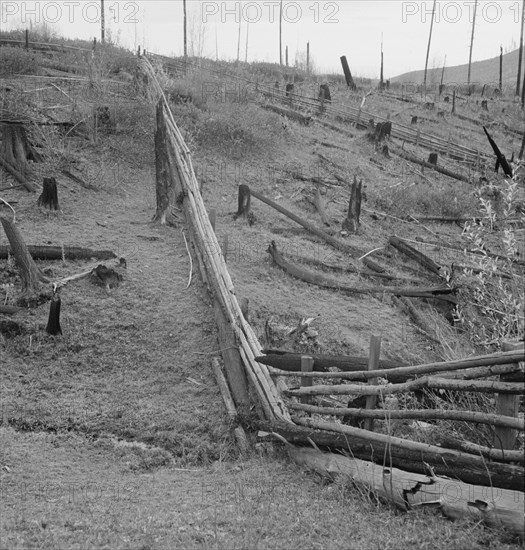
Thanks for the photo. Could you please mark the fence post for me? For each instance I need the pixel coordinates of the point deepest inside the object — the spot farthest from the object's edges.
(373, 364)
(507, 405)
(307, 365)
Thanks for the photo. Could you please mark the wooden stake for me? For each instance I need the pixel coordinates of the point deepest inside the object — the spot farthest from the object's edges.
(507, 405)
(373, 364)
(307, 365)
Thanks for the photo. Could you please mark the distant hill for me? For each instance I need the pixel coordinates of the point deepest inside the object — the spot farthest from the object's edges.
(483, 72)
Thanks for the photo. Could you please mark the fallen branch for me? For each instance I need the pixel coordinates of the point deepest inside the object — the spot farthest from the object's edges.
(416, 255)
(325, 282)
(40, 252)
(416, 414)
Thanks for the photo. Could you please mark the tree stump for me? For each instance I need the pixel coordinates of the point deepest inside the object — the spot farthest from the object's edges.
(433, 159)
(414, 120)
(53, 322)
(244, 204)
(102, 118)
(29, 272)
(324, 92)
(484, 105)
(446, 99)
(49, 196)
(351, 222)
(106, 276)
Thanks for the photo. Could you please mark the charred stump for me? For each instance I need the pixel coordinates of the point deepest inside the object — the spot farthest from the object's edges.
(348, 75)
(351, 222)
(49, 196)
(244, 204)
(414, 120)
(433, 159)
(106, 276)
(53, 323)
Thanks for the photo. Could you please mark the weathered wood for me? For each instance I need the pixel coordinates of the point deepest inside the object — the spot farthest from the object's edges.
(307, 365)
(53, 323)
(429, 382)
(321, 280)
(291, 361)
(407, 156)
(41, 252)
(348, 75)
(373, 364)
(351, 223)
(415, 414)
(499, 455)
(416, 255)
(240, 435)
(49, 196)
(343, 247)
(18, 175)
(507, 405)
(502, 358)
(409, 491)
(500, 157)
(318, 202)
(232, 361)
(289, 113)
(462, 466)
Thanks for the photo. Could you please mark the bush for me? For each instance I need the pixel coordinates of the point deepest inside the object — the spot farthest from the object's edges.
(17, 61)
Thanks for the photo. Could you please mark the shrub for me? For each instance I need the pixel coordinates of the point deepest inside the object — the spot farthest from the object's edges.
(17, 61)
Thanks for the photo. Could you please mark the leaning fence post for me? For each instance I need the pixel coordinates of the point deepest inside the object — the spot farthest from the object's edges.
(307, 365)
(373, 364)
(507, 405)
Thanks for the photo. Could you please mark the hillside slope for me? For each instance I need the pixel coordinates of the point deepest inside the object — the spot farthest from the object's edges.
(484, 72)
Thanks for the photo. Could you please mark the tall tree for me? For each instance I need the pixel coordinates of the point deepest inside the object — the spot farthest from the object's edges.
(185, 29)
(520, 55)
(281, 34)
(442, 75)
(471, 44)
(428, 48)
(102, 22)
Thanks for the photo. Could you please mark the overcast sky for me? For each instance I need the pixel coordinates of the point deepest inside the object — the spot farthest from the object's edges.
(350, 27)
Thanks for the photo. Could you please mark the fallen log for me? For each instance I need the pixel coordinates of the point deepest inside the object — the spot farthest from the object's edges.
(321, 280)
(40, 252)
(407, 156)
(291, 362)
(416, 414)
(409, 491)
(289, 113)
(416, 255)
(499, 455)
(428, 382)
(10, 310)
(462, 466)
(343, 247)
(502, 358)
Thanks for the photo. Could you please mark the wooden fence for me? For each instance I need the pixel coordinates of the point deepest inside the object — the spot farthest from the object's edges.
(374, 458)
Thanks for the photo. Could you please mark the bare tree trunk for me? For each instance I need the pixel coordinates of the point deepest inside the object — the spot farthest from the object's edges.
(471, 44)
(281, 34)
(428, 48)
(185, 30)
(53, 323)
(31, 275)
(520, 55)
(49, 196)
(351, 222)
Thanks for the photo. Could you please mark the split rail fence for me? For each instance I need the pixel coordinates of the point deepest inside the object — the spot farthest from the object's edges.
(487, 482)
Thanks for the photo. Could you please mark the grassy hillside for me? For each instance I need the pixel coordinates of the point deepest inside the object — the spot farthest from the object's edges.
(484, 72)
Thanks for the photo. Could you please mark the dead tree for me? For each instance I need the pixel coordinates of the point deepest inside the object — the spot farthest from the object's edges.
(351, 222)
(29, 272)
(53, 322)
(500, 157)
(348, 75)
(166, 171)
(49, 196)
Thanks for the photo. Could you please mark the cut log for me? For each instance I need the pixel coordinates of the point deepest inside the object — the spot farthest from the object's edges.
(289, 113)
(53, 322)
(407, 156)
(49, 196)
(343, 247)
(29, 272)
(410, 491)
(318, 279)
(455, 464)
(502, 358)
(39, 252)
(416, 414)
